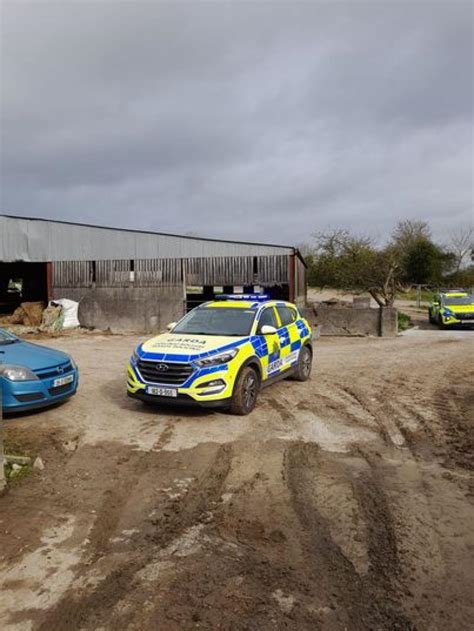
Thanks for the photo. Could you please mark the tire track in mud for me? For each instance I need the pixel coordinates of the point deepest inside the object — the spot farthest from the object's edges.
(90, 607)
(455, 409)
(334, 399)
(374, 410)
(329, 404)
(204, 494)
(370, 601)
(165, 436)
(282, 411)
(434, 416)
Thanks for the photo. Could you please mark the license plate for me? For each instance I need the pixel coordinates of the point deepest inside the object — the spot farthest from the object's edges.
(62, 381)
(162, 392)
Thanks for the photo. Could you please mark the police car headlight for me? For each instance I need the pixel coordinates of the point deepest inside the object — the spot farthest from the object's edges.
(17, 373)
(215, 360)
(448, 312)
(135, 356)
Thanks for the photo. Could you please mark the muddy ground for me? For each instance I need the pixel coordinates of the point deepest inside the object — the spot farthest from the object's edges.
(342, 503)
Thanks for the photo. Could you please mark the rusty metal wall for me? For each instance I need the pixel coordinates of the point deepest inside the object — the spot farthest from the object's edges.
(158, 272)
(272, 270)
(219, 271)
(112, 273)
(72, 274)
(212, 271)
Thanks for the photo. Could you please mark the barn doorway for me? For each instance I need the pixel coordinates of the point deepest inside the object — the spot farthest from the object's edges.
(22, 282)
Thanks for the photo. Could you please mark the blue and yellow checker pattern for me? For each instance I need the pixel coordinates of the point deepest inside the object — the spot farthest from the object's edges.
(444, 311)
(272, 354)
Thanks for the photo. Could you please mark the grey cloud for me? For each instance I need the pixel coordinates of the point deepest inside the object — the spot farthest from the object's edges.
(258, 121)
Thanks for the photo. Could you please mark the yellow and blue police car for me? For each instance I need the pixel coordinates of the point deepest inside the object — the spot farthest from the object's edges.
(222, 353)
(452, 307)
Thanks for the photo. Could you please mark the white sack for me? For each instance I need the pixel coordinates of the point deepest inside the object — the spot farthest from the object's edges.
(69, 312)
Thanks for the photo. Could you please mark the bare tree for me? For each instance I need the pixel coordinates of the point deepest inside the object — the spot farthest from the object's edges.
(461, 244)
(410, 230)
(305, 249)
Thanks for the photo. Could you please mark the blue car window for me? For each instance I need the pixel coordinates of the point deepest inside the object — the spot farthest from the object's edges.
(6, 337)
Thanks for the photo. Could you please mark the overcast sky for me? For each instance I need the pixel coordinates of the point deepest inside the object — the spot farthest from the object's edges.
(256, 121)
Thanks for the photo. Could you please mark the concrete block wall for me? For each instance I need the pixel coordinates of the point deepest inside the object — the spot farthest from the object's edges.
(350, 321)
(140, 309)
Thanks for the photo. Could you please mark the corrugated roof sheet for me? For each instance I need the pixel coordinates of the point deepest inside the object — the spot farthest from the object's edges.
(41, 240)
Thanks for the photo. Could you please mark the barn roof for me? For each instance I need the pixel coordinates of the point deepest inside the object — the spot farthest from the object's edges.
(39, 239)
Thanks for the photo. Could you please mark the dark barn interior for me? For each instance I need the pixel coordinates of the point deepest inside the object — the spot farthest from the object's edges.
(22, 282)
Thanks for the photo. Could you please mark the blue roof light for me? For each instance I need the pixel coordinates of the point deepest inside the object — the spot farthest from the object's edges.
(247, 297)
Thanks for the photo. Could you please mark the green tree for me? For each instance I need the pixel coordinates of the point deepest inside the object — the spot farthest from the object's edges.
(353, 262)
(421, 261)
(425, 263)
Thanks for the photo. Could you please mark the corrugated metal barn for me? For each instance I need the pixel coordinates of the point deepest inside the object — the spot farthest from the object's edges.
(133, 279)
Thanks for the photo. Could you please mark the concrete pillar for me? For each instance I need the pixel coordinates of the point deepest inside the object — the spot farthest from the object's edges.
(388, 322)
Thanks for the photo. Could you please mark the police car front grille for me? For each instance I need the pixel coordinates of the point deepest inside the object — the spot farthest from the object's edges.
(169, 373)
(465, 316)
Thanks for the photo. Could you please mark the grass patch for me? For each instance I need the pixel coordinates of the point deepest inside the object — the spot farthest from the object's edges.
(411, 294)
(14, 474)
(404, 321)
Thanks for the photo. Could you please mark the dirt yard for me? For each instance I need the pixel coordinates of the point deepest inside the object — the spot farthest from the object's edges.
(344, 503)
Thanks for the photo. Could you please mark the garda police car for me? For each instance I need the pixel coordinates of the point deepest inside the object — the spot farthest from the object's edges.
(452, 308)
(221, 353)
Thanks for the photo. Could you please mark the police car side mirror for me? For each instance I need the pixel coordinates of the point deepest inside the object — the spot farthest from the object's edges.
(267, 329)
(171, 326)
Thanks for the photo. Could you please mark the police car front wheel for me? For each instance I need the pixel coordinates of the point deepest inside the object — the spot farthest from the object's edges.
(245, 393)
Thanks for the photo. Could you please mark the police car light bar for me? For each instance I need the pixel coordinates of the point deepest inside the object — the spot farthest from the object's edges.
(248, 297)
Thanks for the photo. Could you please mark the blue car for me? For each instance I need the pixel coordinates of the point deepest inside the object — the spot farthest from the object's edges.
(33, 376)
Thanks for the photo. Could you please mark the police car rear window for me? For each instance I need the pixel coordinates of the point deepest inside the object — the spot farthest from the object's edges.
(224, 321)
(268, 317)
(287, 315)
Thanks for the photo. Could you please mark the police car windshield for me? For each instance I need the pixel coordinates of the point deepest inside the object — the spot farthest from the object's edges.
(231, 321)
(459, 300)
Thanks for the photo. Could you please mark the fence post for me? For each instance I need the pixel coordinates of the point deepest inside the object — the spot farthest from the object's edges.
(418, 296)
